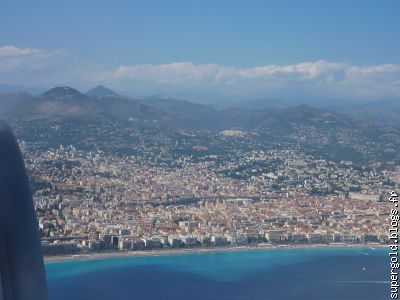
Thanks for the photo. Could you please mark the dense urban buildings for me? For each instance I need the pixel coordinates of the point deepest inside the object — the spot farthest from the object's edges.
(93, 201)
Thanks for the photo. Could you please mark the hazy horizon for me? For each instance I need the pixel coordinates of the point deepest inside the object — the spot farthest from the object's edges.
(205, 52)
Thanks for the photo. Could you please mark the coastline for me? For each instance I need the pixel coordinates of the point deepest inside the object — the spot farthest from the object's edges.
(180, 251)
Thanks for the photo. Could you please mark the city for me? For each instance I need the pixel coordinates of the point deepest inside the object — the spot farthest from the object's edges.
(91, 201)
(201, 150)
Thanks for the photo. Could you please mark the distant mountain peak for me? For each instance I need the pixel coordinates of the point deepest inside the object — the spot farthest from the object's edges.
(61, 92)
(101, 91)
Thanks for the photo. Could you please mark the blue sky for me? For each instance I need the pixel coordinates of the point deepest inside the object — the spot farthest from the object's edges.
(205, 48)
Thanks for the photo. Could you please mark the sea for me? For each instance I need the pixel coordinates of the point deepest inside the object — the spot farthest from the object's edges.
(273, 274)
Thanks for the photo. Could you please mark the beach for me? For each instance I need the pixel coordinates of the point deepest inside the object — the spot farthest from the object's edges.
(179, 251)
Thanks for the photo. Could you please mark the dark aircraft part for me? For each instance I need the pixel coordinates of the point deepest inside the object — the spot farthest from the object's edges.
(22, 272)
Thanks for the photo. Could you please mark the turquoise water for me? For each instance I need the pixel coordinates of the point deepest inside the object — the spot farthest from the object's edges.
(349, 273)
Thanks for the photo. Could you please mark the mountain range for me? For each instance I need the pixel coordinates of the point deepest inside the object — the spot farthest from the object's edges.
(102, 103)
(321, 132)
(381, 112)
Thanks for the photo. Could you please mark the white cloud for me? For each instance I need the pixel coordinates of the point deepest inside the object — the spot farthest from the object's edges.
(380, 69)
(12, 51)
(174, 73)
(317, 79)
(30, 66)
(187, 71)
(14, 59)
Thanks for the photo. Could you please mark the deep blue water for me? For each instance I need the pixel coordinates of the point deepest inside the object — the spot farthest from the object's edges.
(263, 274)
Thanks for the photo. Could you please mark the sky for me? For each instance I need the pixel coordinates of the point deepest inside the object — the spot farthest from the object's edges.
(206, 50)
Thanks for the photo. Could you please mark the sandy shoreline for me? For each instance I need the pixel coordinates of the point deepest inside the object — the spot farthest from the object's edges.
(158, 252)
